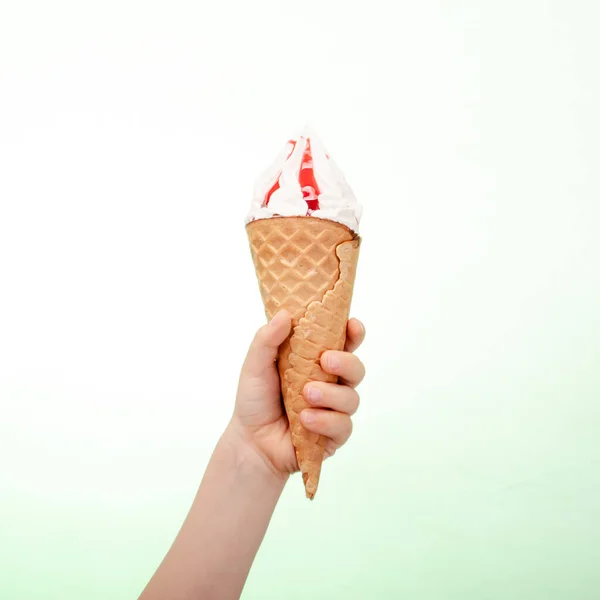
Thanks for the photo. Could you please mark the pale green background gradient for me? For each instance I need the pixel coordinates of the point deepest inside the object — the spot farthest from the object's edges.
(469, 130)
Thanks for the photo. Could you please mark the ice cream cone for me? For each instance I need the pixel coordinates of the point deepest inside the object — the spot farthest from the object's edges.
(307, 266)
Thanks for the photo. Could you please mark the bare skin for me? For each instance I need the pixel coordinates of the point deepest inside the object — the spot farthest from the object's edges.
(213, 552)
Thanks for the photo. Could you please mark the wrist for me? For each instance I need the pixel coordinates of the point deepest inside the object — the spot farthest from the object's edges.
(249, 457)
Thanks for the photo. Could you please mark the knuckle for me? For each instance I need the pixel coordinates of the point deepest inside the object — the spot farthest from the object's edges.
(348, 400)
(363, 371)
(353, 362)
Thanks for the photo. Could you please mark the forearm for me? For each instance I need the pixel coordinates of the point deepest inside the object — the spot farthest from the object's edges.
(218, 541)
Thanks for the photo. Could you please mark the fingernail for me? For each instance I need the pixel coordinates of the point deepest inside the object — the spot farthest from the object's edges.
(308, 416)
(313, 394)
(333, 362)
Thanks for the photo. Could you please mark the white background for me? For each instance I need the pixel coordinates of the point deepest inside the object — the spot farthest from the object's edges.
(130, 137)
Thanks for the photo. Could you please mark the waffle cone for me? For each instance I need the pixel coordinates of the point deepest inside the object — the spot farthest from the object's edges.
(307, 266)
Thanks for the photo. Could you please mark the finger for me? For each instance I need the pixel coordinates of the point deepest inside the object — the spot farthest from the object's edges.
(334, 425)
(267, 340)
(355, 334)
(337, 397)
(345, 365)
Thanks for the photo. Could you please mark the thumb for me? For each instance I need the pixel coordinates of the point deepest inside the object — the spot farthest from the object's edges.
(267, 340)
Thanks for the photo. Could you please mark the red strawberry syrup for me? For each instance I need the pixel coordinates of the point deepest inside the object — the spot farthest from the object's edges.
(306, 179)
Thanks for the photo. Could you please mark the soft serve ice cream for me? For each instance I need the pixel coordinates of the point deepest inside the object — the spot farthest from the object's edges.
(305, 181)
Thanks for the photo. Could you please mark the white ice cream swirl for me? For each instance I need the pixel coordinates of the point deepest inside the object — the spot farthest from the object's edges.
(305, 181)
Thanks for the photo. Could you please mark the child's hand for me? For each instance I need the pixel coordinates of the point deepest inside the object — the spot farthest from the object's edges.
(259, 413)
